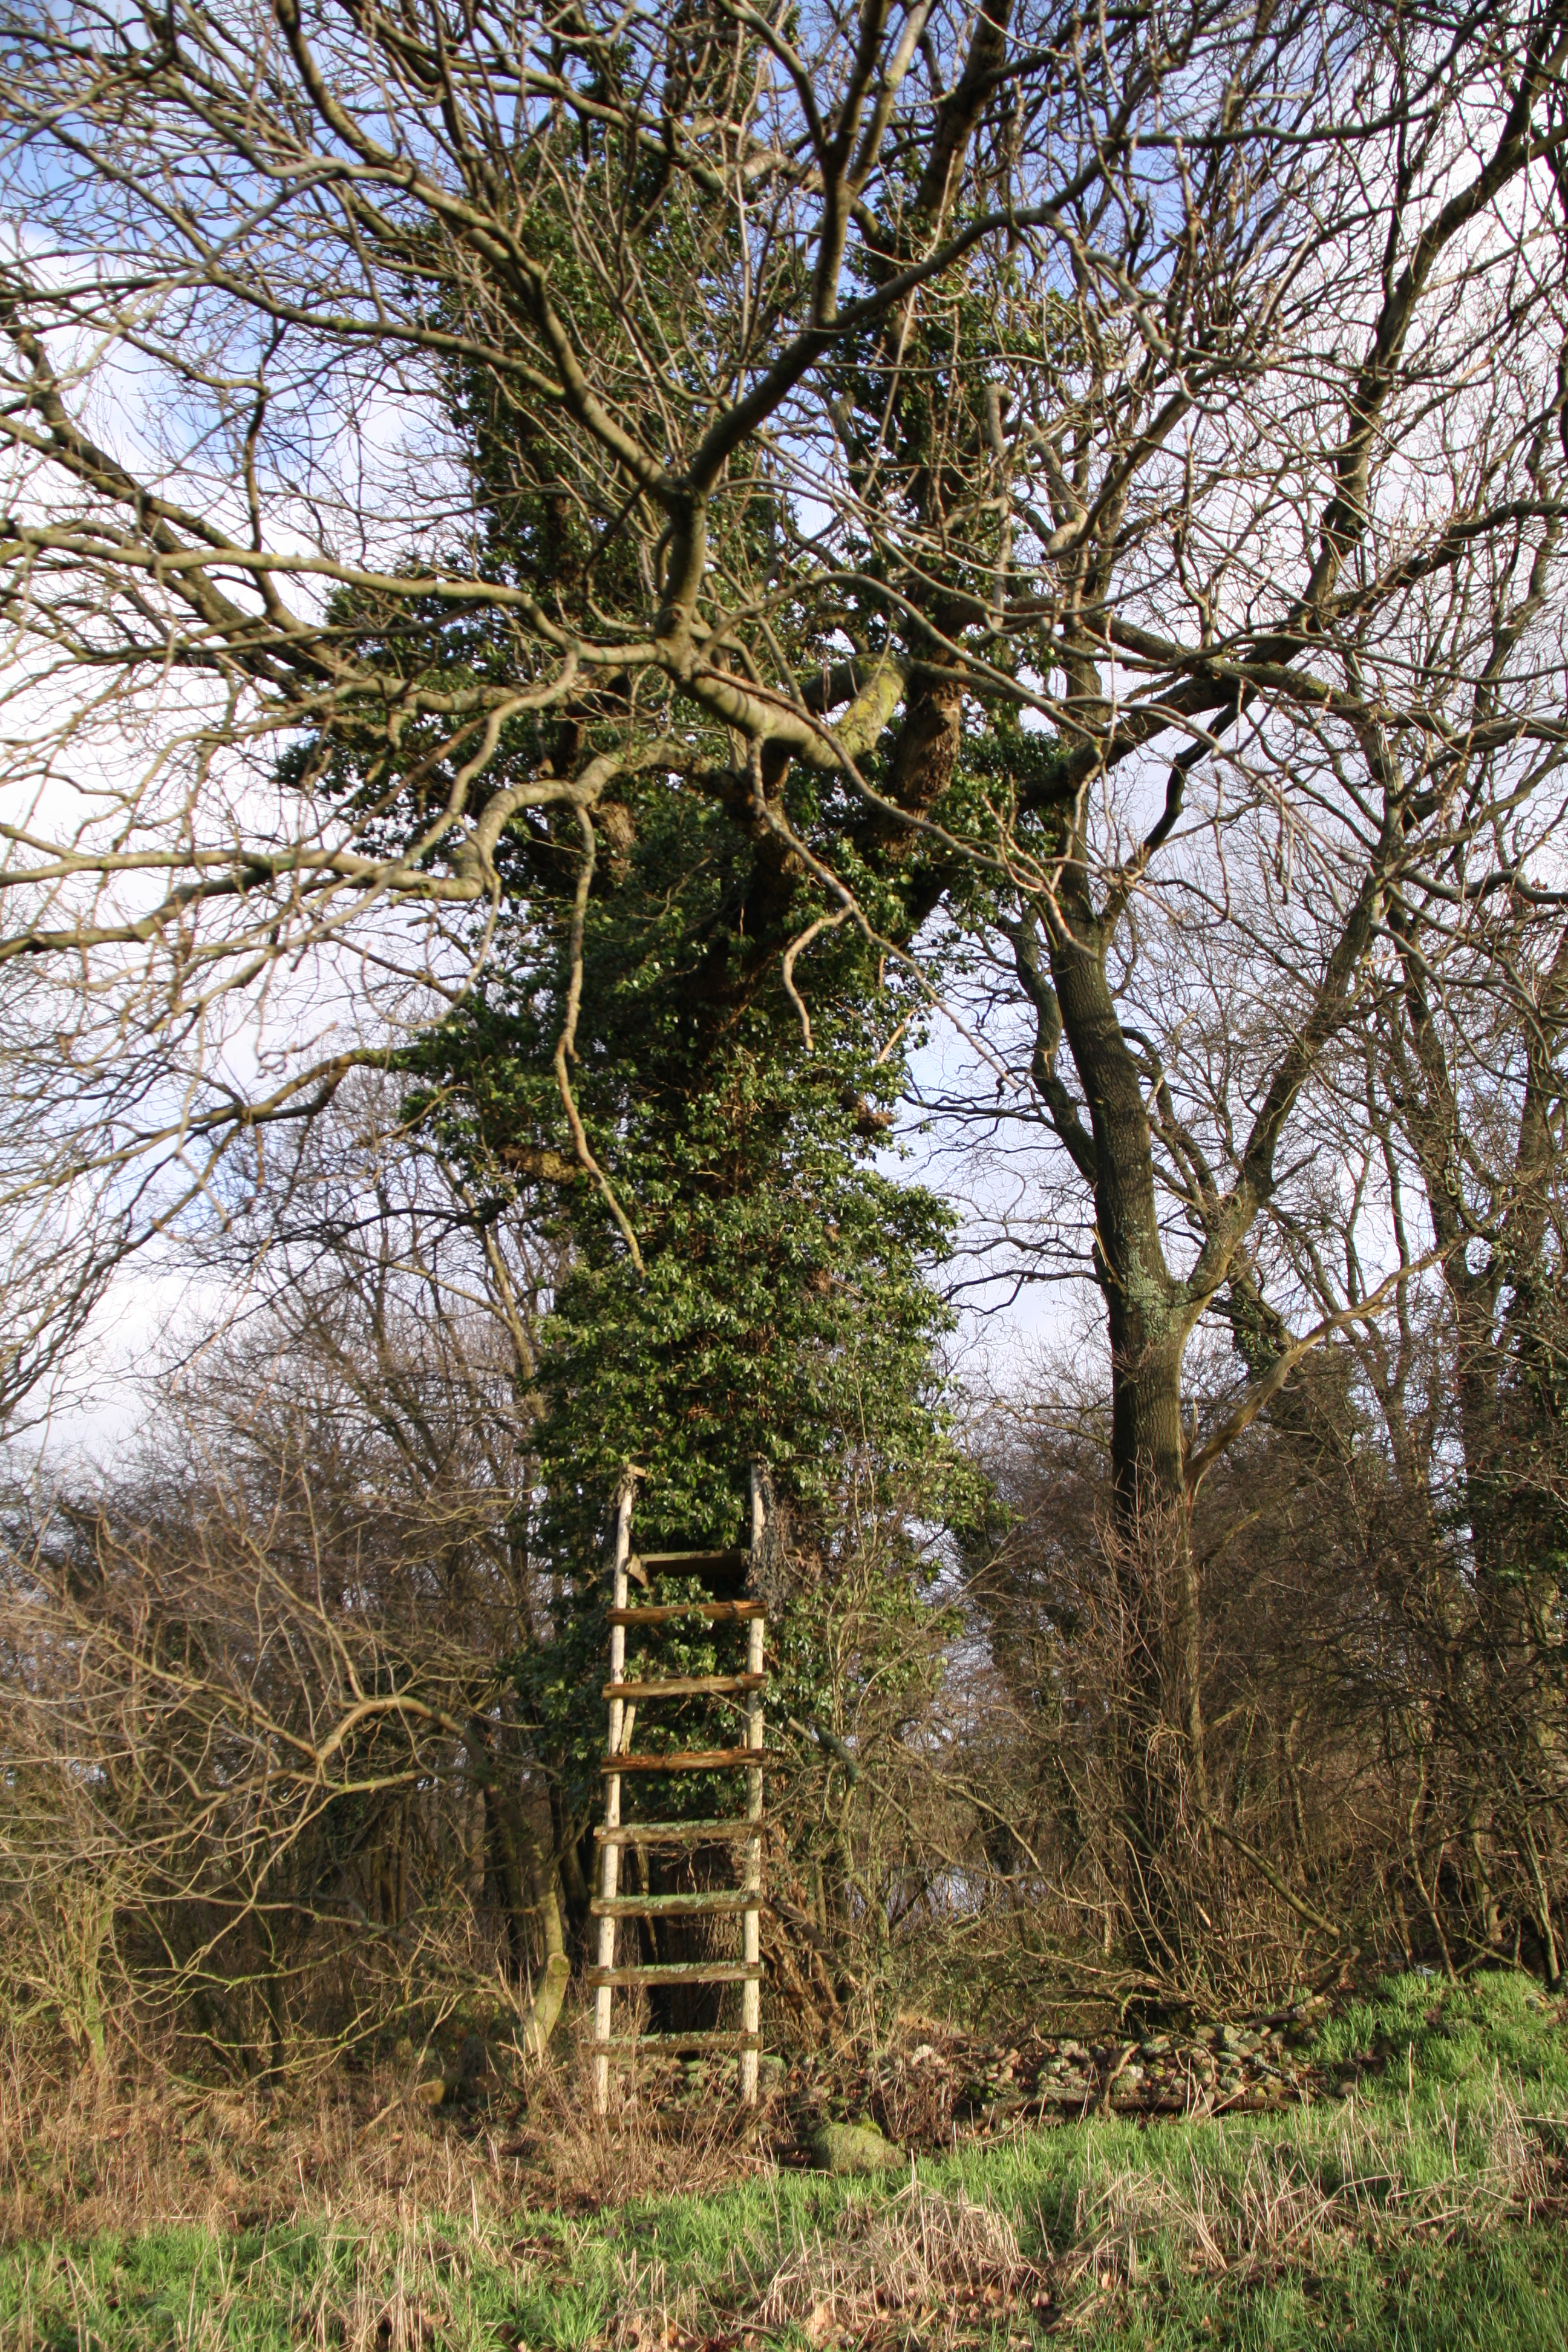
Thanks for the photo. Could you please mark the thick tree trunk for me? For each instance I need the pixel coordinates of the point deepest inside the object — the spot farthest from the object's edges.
(1148, 1317)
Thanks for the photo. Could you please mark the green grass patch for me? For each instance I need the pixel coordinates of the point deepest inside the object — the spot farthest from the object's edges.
(1419, 2209)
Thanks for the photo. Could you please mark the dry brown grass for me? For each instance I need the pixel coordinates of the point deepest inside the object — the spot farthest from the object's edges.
(660, 2138)
(940, 2265)
(156, 2151)
(365, 2313)
(146, 2148)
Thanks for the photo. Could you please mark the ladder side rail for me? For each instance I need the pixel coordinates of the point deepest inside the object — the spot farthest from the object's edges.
(752, 1878)
(750, 1926)
(604, 1994)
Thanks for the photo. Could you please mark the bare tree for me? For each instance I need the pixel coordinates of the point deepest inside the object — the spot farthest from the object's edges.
(1462, 1081)
(1097, 480)
(256, 1691)
(1339, 586)
(848, 378)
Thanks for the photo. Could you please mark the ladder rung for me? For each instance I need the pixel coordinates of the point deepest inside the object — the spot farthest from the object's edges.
(664, 1562)
(672, 2041)
(682, 1972)
(687, 1759)
(716, 1611)
(682, 1833)
(728, 1899)
(686, 1687)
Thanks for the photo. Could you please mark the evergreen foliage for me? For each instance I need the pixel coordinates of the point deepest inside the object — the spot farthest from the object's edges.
(745, 1277)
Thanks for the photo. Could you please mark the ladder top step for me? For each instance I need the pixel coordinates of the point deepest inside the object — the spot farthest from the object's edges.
(673, 2042)
(716, 1611)
(681, 1972)
(662, 1562)
(725, 1832)
(689, 1759)
(684, 1687)
(711, 1902)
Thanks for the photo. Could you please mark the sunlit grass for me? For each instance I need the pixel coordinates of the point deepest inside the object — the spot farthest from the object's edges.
(1414, 2210)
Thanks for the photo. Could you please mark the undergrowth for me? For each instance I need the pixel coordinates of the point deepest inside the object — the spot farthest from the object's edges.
(1421, 2207)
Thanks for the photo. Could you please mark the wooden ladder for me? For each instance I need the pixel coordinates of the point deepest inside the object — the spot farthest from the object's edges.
(743, 1831)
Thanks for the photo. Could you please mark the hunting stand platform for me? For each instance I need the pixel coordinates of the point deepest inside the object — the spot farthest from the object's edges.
(743, 1832)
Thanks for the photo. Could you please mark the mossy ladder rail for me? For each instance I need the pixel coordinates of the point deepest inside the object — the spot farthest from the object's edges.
(742, 1830)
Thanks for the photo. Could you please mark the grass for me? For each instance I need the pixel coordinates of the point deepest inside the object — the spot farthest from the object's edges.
(1419, 2209)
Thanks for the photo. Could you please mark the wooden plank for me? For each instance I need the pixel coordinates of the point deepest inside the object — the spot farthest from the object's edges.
(679, 1972)
(664, 1563)
(685, 1760)
(725, 1832)
(670, 2043)
(727, 1899)
(717, 1613)
(684, 1687)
